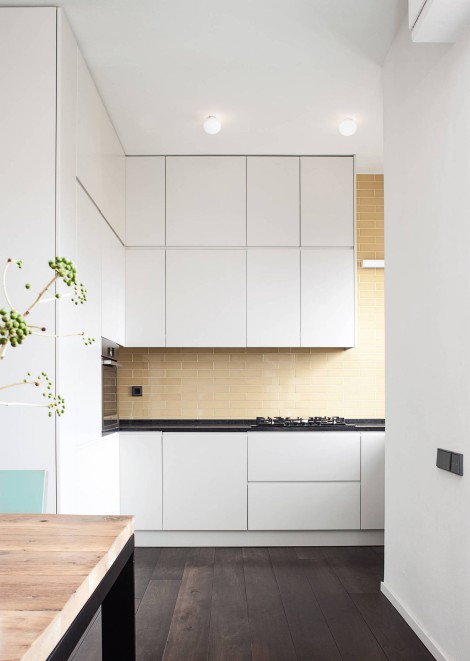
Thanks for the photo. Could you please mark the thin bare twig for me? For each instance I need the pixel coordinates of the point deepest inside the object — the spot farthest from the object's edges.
(9, 261)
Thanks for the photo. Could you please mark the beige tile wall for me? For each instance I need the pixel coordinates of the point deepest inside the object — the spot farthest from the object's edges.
(244, 383)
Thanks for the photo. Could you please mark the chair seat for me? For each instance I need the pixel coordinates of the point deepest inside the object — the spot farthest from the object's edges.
(22, 491)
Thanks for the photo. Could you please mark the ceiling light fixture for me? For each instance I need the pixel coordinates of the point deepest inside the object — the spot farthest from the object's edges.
(347, 127)
(212, 125)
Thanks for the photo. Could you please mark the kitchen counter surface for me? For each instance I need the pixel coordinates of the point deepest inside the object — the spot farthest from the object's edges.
(242, 426)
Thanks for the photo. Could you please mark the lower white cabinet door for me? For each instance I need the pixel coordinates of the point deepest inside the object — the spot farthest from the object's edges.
(304, 506)
(141, 478)
(204, 481)
(372, 480)
(304, 457)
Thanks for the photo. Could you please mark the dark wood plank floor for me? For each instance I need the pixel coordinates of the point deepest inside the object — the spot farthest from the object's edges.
(276, 604)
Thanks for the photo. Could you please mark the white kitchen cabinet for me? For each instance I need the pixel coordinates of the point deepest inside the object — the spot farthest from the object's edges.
(97, 476)
(304, 506)
(372, 480)
(206, 298)
(145, 297)
(273, 201)
(304, 456)
(145, 201)
(140, 456)
(204, 481)
(100, 157)
(206, 200)
(273, 297)
(113, 285)
(328, 297)
(327, 200)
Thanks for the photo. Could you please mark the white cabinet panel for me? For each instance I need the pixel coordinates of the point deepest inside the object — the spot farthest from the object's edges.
(206, 200)
(206, 298)
(304, 506)
(273, 297)
(303, 456)
(273, 201)
(372, 480)
(328, 297)
(145, 200)
(204, 481)
(97, 468)
(327, 200)
(141, 478)
(100, 158)
(145, 297)
(113, 285)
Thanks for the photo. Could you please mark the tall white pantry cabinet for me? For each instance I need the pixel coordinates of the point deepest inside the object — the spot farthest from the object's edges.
(62, 193)
(259, 250)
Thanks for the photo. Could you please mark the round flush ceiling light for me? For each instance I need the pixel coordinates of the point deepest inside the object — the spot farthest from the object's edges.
(347, 127)
(212, 125)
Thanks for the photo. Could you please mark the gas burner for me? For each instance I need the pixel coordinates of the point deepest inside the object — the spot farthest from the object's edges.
(317, 421)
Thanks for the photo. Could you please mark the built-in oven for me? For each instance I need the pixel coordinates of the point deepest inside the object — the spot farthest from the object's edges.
(109, 385)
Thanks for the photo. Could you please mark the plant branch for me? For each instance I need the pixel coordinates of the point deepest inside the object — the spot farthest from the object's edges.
(43, 406)
(9, 261)
(81, 334)
(40, 295)
(20, 383)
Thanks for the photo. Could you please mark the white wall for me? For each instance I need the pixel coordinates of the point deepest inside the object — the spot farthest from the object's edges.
(27, 223)
(427, 239)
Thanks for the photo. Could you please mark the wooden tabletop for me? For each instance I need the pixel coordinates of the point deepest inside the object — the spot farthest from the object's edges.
(49, 567)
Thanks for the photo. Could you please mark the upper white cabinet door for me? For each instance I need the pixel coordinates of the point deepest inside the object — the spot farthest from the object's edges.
(327, 200)
(145, 200)
(141, 478)
(113, 285)
(145, 297)
(100, 157)
(328, 297)
(206, 298)
(206, 200)
(273, 201)
(304, 456)
(273, 297)
(372, 480)
(204, 481)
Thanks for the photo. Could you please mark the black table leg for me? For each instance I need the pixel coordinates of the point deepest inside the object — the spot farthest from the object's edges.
(118, 617)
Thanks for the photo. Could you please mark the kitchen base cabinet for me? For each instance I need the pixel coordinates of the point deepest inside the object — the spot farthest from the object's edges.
(304, 457)
(204, 481)
(304, 506)
(372, 480)
(140, 456)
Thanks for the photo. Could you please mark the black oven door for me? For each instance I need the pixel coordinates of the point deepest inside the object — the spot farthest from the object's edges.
(109, 388)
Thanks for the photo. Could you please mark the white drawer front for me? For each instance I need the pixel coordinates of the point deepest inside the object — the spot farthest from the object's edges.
(304, 456)
(314, 506)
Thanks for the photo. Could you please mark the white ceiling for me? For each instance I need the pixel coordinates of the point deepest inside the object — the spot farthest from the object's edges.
(280, 74)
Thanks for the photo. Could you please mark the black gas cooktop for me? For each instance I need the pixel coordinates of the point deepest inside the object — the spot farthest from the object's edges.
(316, 421)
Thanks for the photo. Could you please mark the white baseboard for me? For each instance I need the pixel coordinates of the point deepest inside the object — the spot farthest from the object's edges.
(413, 624)
(260, 538)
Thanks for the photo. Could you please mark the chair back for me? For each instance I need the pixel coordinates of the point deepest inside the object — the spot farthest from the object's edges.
(22, 492)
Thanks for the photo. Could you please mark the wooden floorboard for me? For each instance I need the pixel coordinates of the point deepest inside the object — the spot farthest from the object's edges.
(229, 629)
(352, 635)
(309, 629)
(154, 618)
(145, 561)
(281, 604)
(359, 568)
(188, 637)
(269, 630)
(171, 564)
(396, 638)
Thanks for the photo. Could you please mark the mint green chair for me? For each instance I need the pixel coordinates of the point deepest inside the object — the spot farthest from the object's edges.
(22, 492)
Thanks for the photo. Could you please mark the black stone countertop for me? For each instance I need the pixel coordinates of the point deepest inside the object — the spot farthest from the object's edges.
(242, 426)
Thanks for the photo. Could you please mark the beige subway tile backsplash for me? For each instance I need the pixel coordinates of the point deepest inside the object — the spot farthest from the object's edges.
(244, 383)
